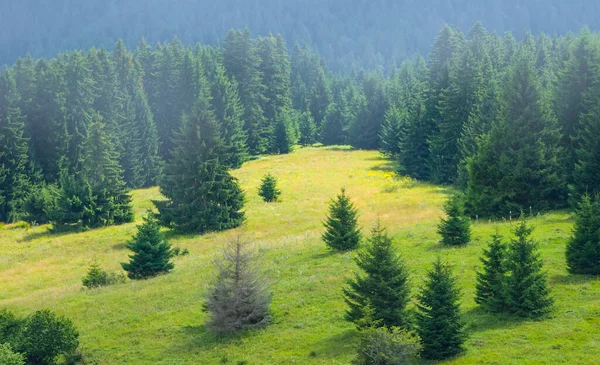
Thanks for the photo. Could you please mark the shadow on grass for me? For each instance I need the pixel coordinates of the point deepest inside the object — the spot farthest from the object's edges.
(567, 279)
(388, 166)
(172, 235)
(335, 346)
(325, 254)
(478, 319)
(120, 246)
(340, 148)
(47, 233)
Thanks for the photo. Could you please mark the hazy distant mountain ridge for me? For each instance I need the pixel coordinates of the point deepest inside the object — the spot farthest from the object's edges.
(364, 33)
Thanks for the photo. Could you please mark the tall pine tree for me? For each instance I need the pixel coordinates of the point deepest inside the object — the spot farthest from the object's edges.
(583, 248)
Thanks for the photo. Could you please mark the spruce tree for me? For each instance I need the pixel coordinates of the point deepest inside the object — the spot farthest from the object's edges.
(242, 62)
(528, 294)
(307, 129)
(517, 164)
(583, 248)
(391, 132)
(228, 112)
(75, 206)
(332, 131)
(341, 227)
(275, 71)
(14, 181)
(150, 162)
(268, 189)
(439, 322)
(491, 288)
(379, 294)
(151, 253)
(282, 141)
(47, 123)
(239, 299)
(201, 195)
(587, 167)
(79, 105)
(575, 93)
(455, 229)
(101, 167)
(365, 128)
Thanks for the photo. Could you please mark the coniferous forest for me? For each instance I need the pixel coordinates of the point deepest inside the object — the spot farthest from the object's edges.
(509, 127)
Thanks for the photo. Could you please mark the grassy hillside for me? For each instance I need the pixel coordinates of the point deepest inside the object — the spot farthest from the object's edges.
(160, 321)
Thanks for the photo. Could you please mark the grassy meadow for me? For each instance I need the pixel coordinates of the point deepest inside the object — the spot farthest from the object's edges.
(160, 321)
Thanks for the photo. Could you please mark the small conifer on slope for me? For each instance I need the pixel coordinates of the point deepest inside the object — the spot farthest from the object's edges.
(239, 299)
(456, 228)
(268, 189)
(583, 249)
(491, 288)
(439, 322)
(341, 227)
(528, 294)
(152, 254)
(378, 296)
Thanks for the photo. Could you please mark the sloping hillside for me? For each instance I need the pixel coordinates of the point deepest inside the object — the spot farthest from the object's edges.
(160, 321)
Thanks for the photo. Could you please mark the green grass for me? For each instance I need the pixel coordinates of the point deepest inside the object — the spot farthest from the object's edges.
(160, 321)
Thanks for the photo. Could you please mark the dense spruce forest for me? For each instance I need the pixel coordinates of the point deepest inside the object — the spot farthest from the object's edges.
(513, 124)
(348, 34)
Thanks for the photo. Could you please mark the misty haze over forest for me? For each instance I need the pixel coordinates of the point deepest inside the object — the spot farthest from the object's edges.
(356, 33)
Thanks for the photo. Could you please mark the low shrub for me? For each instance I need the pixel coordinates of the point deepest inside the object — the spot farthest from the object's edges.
(96, 277)
(383, 346)
(9, 357)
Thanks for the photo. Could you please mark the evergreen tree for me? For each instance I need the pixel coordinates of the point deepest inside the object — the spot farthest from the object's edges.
(14, 181)
(150, 162)
(446, 46)
(239, 299)
(456, 228)
(268, 189)
(47, 122)
(491, 288)
(378, 296)
(201, 194)
(152, 254)
(457, 106)
(587, 166)
(283, 140)
(439, 322)
(229, 112)
(414, 127)
(75, 206)
(79, 105)
(242, 63)
(528, 294)
(275, 71)
(112, 202)
(575, 94)
(162, 96)
(365, 128)
(391, 132)
(341, 227)
(307, 129)
(332, 131)
(583, 248)
(517, 163)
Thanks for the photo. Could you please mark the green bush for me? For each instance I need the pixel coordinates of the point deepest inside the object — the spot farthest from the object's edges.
(10, 327)
(45, 336)
(383, 346)
(96, 277)
(9, 357)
